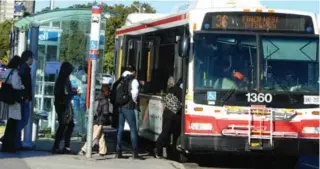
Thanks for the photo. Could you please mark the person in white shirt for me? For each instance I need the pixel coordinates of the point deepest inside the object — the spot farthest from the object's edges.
(13, 78)
(127, 113)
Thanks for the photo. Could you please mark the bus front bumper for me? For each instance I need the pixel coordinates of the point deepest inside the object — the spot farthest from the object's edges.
(220, 144)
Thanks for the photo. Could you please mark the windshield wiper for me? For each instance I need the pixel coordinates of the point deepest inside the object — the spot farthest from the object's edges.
(228, 95)
(292, 100)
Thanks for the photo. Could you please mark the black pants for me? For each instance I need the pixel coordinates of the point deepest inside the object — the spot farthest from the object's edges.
(170, 125)
(8, 142)
(65, 129)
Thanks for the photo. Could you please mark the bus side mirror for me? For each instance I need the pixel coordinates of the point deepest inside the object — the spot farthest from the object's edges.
(183, 46)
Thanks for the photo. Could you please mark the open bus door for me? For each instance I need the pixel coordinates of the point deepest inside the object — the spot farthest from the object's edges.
(125, 47)
(146, 58)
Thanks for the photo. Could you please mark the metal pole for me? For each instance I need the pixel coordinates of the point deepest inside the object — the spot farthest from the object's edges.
(51, 4)
(43, 82)
(53, 117)
(93, 54)
(22, 42)
(28, 134)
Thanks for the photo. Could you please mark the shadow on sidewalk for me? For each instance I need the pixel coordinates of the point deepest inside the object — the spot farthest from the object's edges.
(43, 147)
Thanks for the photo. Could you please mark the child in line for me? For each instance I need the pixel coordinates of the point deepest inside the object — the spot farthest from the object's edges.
(101, 113)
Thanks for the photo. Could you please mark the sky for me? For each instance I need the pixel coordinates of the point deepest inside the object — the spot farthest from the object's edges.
(166, 6)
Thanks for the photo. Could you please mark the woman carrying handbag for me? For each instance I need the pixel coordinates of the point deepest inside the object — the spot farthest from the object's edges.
(12, 78)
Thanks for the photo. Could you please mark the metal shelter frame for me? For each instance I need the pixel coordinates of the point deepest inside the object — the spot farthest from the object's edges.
(32, 24)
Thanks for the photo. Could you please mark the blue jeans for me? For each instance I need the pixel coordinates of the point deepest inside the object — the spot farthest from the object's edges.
(129, 115)
(25, 113)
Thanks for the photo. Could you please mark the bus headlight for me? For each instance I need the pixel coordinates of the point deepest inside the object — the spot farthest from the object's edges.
(201, 126)
(311, 130)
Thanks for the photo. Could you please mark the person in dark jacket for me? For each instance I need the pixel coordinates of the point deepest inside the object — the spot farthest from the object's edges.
(101, 113)
(63, 93)
(25, 74)
(170, 120)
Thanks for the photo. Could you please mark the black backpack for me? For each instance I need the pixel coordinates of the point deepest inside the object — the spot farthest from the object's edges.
(123, 95)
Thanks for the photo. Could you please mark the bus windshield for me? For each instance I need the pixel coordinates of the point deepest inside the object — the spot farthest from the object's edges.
(290, 64)
(225, 62)
(229, 62)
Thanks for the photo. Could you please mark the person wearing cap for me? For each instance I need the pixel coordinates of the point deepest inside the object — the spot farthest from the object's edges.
(101, 115)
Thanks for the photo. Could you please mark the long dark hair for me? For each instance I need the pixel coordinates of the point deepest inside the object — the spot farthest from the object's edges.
(14, 62)
(25, 56)
(64, 73)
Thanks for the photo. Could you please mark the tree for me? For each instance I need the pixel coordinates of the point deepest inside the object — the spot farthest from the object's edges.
(73, 43)
(114, 23)
(5, 28)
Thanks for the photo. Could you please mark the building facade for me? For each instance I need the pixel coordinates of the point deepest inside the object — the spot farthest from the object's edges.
(14, 9)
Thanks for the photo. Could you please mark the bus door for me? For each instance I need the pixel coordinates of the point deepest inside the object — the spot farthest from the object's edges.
(127, 49)
(148, 58)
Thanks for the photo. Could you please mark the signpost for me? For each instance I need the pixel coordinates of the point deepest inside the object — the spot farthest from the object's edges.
(93, 54)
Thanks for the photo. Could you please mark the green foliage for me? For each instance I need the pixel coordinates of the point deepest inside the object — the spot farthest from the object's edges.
(114, 23)
(73, 41)
(5, 28)
(45, 132)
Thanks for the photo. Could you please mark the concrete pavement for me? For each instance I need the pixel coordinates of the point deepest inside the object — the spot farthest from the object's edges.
(41, 158)
(45, 160)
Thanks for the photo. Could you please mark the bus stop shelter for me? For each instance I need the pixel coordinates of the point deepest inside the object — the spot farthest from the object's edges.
(53, 37)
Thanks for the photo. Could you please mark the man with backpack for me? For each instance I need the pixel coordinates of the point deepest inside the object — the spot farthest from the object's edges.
(126, 100)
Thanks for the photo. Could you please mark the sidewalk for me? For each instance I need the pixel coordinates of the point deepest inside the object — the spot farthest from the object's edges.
(45, 160)
(41, 158)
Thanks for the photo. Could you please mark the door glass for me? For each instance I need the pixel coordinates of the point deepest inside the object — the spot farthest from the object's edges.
(52, 53)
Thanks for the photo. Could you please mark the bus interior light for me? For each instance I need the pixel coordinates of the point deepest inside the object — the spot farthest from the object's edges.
(258, 10)
(194, 27)
(246, 10)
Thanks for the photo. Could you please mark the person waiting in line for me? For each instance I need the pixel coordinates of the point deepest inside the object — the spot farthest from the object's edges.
(170, 118)
(11, 76)
(63, 93)
(115, 111)
(127, 101)
(25, 74)
(101, 115)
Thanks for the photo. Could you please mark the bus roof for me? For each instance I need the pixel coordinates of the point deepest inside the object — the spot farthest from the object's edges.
(135, 18)
(148, 22)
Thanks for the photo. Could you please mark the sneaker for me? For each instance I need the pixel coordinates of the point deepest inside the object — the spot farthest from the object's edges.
(156, 154)
(55, 151)
(135, 156)
(82, 153)
(118, 155)
(66, 150)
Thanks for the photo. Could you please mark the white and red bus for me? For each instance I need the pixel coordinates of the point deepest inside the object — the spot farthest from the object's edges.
(251, 75)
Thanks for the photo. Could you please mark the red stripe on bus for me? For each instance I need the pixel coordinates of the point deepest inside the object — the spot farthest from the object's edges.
(220, 124)
(152, 24)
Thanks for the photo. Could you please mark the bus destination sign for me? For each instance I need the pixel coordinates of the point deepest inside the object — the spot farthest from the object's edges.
(265, 22)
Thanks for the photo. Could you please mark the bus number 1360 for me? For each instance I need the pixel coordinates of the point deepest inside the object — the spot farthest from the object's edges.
(259, 97)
